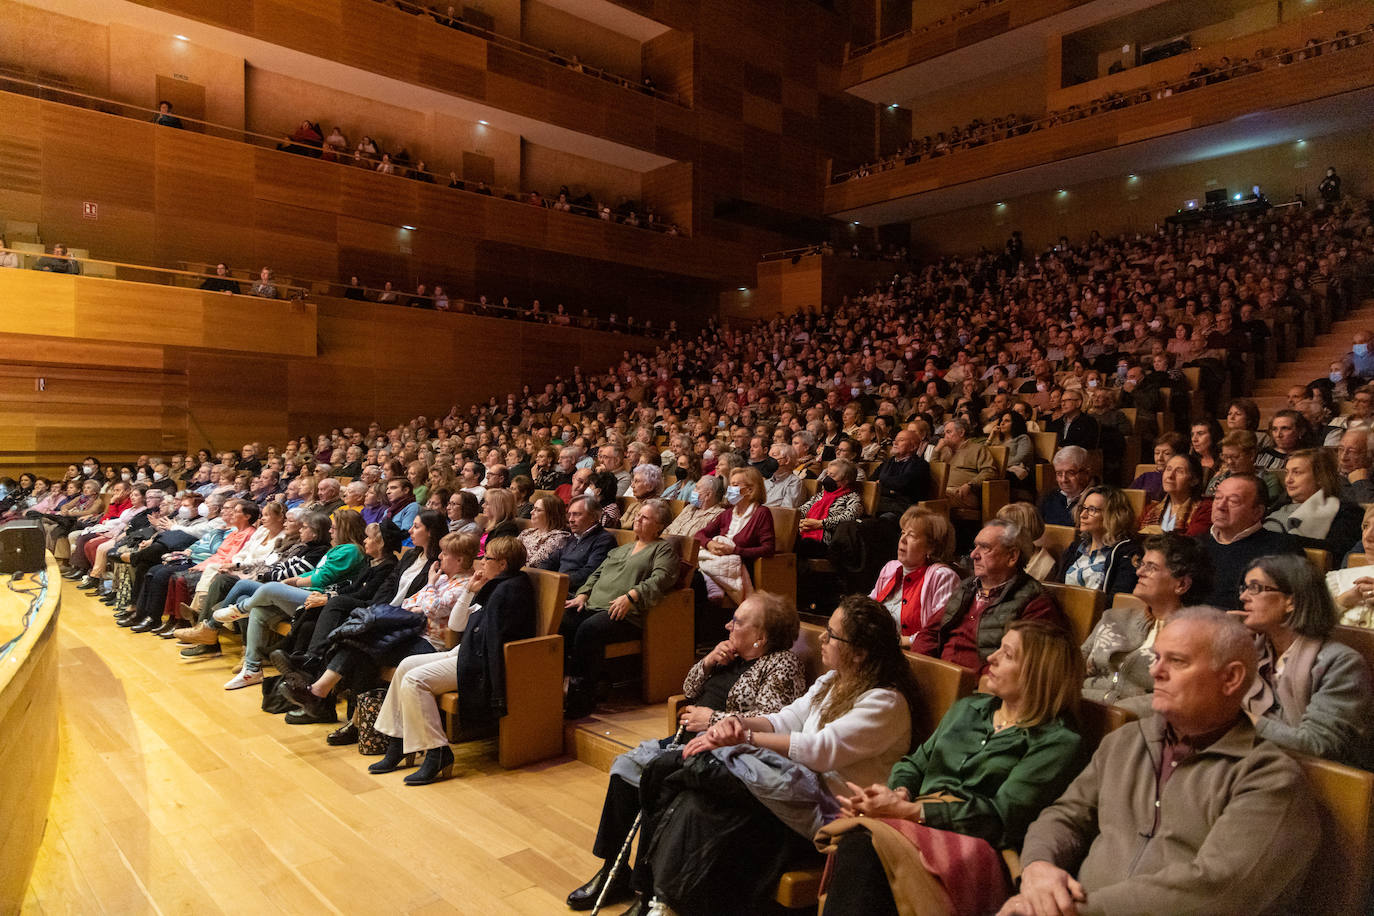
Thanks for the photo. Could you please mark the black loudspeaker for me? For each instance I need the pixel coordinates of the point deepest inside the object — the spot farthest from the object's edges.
(21, 547)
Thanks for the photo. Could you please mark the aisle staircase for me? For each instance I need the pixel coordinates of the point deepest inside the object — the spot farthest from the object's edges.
(1312, 362)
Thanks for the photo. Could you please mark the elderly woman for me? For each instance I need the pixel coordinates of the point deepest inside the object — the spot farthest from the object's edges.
(1102, 556)
(278, 601)
(1316, 515)
(496, 606)
(769, 782)
(739, 535)
(611, 604)
(381, 638)
(1183, 508)
(916, 586)
(1152, 482)
(1311, 693)
(547, 531)
(835, 501)
(753, 672)
(996, 759)
(646, 482)
(1352, 588)
(1238, 452)
(1173, 571)
(704, 504)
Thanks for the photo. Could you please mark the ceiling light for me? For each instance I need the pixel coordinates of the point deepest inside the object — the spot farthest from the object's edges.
(1132, 177)
(1001, 203)
(744, 289)
(855, 223)
(1062, 191)
(483, 123)
(181, 38)
(408, 228)
(893, 105)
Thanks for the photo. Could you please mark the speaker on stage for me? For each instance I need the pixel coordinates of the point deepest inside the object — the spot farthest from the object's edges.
(21, 547)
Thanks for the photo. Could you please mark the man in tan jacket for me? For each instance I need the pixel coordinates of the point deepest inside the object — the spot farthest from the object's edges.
(970, 463)
(1187, 811)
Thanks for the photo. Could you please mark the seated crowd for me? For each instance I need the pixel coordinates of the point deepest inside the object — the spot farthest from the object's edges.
(981, 132)
(871, 432)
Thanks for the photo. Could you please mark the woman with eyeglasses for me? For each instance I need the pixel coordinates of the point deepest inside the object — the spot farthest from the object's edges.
(761, 786)
(1101, 557)
(1183, 508)
(996, 759)
(1172, 572)
(753, 672)
(1311, 693)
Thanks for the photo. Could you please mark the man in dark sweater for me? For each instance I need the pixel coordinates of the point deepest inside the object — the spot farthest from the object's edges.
(590, 543)
(1238, 536)
(904, 478)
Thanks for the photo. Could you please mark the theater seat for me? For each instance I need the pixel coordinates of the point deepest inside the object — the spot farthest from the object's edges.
(666, 646)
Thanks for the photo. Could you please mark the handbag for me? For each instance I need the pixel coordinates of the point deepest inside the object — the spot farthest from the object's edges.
(275, 698)
(371, 743)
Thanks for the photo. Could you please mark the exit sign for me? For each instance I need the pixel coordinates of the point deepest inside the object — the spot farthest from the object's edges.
(90, 209)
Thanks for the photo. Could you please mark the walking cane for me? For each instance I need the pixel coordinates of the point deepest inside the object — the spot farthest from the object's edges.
(625, 847)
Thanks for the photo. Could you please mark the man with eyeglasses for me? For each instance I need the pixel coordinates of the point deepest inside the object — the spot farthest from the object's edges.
(1188, 810)
(999, 591)
(1073, 475)
(1238, 536)
(1354, 459)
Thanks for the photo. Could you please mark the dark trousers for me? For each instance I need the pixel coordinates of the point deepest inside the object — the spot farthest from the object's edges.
(78, 558)
(858, 885)
(359, 670)
(145, 559)
(152, 595)
(586, 633)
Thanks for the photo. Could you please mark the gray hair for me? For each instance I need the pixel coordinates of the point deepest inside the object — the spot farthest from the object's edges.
(806, 437)
(1011, 536)
(651, 473)
(660, 508)
(787, 452)
(1229, 640)
(356, 488)
(1071, 456)
(589, 502)
(958, 424)
(328, 483)
(715, 483)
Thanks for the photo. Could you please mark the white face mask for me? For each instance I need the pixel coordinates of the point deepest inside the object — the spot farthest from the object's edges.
(125, 476)
(88, 469)
(157, 475)
(184, 513)
(203, 510)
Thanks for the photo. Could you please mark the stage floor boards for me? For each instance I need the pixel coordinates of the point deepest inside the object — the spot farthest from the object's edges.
(176, 796)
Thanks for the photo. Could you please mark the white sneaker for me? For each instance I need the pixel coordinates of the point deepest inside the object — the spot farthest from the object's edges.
(245, 678)
(229, 613)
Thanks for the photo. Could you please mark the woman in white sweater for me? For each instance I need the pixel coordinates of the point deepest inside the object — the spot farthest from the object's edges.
(774, 776)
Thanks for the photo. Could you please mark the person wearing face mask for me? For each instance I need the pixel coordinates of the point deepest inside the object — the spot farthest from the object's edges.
(704, 505)
(1361, 359)
(742, 533)
(836, 501)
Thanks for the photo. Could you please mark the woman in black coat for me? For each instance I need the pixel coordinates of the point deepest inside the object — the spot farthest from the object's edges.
(497, 606)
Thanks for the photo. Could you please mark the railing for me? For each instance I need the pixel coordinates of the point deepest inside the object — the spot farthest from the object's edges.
(297, 289)
(448, 20)
(322, 151)
(964, 13)
(1000, 130)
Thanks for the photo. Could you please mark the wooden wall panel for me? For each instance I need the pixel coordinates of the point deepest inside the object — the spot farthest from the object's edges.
(203, 214)
(38, 303)
(21, 157)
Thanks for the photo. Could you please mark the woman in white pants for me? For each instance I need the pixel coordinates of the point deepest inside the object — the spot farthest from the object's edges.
(495, 607)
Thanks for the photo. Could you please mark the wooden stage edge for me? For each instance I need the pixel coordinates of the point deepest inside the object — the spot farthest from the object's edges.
(28, 726)
(174, 795)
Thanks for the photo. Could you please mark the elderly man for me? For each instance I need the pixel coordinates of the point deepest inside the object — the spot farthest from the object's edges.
(354, 495)
(612, 458)
(580, 556)
(265, 486)
(1072, 475)
(1238, 537)
(611, 604)
(784, 488)
(646, 482)
(327, 495)
(970, 463)
(998, 592)
(1073, 426)
(1353, 455)
(1186, 811)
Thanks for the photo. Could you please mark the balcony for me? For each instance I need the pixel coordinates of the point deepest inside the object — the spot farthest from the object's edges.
(1251, 108)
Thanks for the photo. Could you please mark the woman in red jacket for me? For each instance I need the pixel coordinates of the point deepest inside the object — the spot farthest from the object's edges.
(729, 543)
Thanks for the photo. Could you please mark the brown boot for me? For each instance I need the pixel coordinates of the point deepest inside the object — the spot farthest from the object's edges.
(202, 634)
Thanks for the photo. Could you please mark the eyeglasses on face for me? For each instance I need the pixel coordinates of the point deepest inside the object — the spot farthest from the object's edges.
(1259, 588)
(1148, 568)
(828, 634)
(1091, 510)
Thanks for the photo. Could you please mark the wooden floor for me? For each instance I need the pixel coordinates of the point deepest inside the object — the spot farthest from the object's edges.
(176, 796)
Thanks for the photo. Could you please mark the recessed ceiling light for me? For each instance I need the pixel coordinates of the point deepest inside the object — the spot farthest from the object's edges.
(181, 38)
(744, 289)
(894, 105)
(1133, 177)
(1001, 203)
(855, 223)
(483, 123)
(408, 228)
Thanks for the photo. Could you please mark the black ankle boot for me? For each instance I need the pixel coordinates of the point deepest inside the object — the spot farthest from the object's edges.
(395, 758)
(581, 699)
(437, 765)
(584, 898)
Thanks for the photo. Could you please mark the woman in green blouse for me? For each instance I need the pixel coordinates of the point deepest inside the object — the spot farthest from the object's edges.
(995, 760)
(610, 606)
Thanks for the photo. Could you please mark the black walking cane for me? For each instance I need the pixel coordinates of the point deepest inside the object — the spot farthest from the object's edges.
(625, 848)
